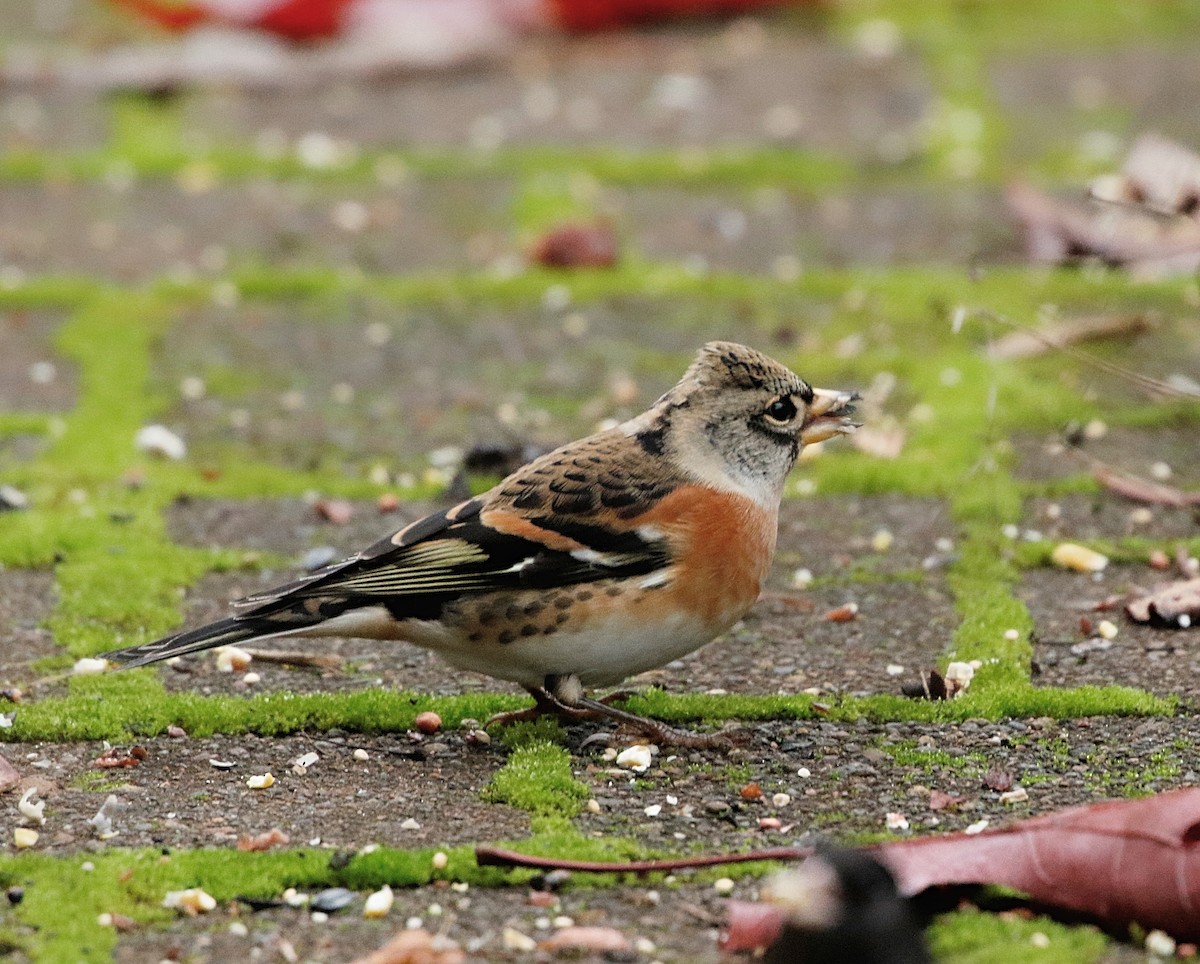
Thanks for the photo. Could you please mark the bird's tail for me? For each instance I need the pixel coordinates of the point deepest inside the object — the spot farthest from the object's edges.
(224, 632)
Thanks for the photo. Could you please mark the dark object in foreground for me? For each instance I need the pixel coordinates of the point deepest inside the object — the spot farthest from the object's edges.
(838, 906)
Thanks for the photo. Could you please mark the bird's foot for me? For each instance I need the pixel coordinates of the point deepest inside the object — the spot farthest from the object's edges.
(582, 708)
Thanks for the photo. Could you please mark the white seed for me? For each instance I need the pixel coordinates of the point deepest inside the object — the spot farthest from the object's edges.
(801, 578)
(1160, 944)
(190, 901)
(979, 826)
(895, 669)
(24, 837)
(440, 860)
(238, 929)
(653, 810)
(1107, 629)
(1012, 635)
(1068, 555)
(1141, 516)
(379, 904)
(251, 678)
(723, 886)
(307, 760)
(159, 440)
(89, 667)
(1015, 795)
(260, 781)
(781, 800)
(1095, 430)
(410, 824)
(882, 540)
(592, 806)
(804, 772)
(1039, 939)
(1160, 471)
(636, 758)
(232, 659)
(360, 754)
(29, 809)
(514, 940)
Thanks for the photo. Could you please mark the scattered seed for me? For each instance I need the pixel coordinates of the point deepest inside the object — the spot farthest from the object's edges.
(159, 440)
(882, 540)
(723, 886)
(29, 809)
(232, 659)
(1107, 629)
(89, 667)
(361, 755)
(261, 781)
(514, 940)
(1160, 944)
(1015, 795)
(192, 901)
(653, 810)
(979, 826)
(781, 800)
(843, 614)
(1068, 555)
(428, 722)
(410, 824)
(636, 758)
(222, 764)
(439, 861)
(379, 904)
(24, 837)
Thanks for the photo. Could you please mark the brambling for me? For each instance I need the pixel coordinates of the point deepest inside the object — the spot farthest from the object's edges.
(607, 557)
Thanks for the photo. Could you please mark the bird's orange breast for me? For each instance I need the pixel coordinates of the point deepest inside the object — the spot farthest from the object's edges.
(724, 544)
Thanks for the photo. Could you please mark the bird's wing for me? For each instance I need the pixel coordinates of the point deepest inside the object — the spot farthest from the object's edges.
(568, 517)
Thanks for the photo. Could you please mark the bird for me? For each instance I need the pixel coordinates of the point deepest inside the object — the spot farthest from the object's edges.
(609, 556)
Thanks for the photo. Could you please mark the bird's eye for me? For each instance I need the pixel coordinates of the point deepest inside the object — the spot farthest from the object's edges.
(782, 410)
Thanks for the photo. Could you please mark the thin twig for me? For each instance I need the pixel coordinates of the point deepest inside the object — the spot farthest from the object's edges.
(487, 856)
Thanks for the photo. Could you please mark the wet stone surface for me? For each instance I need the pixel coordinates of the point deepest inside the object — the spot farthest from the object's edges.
(33, 376)
(1163, 661)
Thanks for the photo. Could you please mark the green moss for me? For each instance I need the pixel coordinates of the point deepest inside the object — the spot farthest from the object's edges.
(972, 937)
(538, 778)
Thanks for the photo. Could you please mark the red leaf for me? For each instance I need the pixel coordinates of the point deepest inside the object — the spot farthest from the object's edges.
(1121, 861)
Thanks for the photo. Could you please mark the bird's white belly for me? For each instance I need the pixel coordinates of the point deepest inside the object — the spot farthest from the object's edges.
(601, 654)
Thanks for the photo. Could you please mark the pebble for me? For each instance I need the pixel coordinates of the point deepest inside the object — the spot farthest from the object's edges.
(636, 758)
(361, 755)
(332, 899)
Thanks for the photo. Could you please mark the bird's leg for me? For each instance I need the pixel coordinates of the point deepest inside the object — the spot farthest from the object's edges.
(655, 730)
(564, 697)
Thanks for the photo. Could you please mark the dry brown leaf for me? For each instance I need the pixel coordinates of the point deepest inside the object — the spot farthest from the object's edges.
(1143, 490)
(263, 841)
(1173, 604)
(598, 940)
(1029, 343)
(415, 947)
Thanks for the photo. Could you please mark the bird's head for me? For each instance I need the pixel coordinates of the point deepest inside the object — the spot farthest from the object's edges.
(738, 419)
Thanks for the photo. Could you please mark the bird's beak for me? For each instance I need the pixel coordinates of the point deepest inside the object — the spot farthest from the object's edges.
(829, 415)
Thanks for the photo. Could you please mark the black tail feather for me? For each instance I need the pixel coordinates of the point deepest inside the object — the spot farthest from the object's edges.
(224, 632)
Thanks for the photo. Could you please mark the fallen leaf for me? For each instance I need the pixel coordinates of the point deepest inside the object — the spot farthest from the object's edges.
(1029, 342)
(1173, 604)
(598, 940)
(576, 246)
(9, 777)
(1120, 862)
(263, 841)
(940, 800)
(415, 947)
